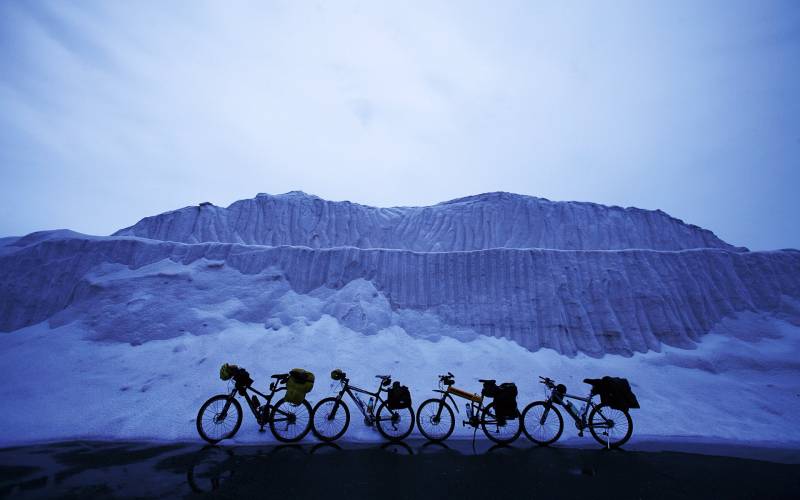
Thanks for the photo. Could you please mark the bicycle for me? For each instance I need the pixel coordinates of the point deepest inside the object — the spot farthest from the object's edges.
(436, 420)
(221, 416)
(331, 416)
(543, 423)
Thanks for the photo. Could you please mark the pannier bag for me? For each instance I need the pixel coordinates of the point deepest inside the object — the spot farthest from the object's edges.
(505, 402)
(399, 397)
(616, 392)
(299, 383)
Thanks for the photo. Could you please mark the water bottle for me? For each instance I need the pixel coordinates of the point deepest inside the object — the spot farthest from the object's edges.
(571, 408)
(469, 410)
(370, 405)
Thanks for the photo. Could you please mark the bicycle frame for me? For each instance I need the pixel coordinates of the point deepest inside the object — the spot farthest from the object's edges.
(580, 418)
(260, 416)
(353, 391)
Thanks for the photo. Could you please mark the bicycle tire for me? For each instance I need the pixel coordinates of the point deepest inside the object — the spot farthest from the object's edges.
(488, 412)
(200, 418)
(422, 417)
(290, 406)
(315, 426)
(552, 410)
(379, 422)
(605, 441)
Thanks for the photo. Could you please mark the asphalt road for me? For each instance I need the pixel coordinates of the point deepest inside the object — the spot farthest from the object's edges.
(413, 470)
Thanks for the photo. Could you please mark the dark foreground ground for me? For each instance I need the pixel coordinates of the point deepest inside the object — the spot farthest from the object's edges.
(414, 470)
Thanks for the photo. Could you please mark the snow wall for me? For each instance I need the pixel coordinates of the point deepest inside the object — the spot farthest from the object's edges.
(594, 302)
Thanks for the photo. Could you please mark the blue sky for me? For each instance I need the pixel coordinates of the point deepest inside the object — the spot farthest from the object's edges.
(112, 111)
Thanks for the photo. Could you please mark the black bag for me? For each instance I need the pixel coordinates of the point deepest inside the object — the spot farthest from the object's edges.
(616, 392)
(505, 401)
(490, 390)
(398, 397)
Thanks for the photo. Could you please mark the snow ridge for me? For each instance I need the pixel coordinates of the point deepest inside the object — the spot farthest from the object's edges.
(486, 221)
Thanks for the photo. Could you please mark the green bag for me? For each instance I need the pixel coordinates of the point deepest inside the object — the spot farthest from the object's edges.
(226, 371)
(299, 383)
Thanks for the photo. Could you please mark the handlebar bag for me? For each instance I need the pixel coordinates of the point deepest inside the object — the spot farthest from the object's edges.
(398, 397)
(299, 383)
(227, 371)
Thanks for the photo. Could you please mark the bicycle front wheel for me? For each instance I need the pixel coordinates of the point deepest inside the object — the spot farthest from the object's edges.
(499, 430)
(610, 427)
(290, 422)
(435, 420)
(219, 418)
(330, 419)
(394, 425)
(542, 423)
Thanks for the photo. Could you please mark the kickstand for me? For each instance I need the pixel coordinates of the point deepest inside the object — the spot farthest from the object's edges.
(473, 440)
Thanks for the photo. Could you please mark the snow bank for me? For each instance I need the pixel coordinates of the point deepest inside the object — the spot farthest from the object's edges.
(61, 384)
(491, 220)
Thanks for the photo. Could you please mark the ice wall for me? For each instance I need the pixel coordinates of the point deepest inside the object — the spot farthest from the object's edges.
(492, 220)
(594, 302)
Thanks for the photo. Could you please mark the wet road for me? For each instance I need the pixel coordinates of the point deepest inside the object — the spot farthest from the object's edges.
(413, 470)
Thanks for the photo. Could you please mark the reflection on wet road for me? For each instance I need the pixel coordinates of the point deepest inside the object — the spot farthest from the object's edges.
(412, 470)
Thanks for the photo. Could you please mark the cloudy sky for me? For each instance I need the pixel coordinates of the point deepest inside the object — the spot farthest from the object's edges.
(112, 111)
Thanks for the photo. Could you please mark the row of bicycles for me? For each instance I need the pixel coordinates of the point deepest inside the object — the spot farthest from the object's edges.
(389, 410)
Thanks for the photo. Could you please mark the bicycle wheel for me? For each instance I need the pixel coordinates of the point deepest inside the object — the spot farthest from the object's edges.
(394, 425)
(330, 419)
(290, 422)
(213, 425)
(542, 423)
(610, 427)
(435, 420)
(499, 430)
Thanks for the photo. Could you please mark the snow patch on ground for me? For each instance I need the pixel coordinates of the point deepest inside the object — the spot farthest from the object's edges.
(741, 383)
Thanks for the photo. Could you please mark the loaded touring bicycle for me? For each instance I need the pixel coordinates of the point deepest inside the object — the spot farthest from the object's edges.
(499, 420)
(609, 422)
(289, 419)
(393, 416)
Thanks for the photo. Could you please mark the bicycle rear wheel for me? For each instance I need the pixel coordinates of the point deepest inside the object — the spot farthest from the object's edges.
(290, 422)
(394, 425)
(542, 423)
(218, 419)
(435, 420)
(499, 430)
(610, 427)
(330, 419)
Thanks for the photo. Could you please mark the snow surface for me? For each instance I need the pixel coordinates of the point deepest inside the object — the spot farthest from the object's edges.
(740, 384)
(490, 220)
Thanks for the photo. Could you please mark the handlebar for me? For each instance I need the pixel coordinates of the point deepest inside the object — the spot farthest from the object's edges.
(547, 381)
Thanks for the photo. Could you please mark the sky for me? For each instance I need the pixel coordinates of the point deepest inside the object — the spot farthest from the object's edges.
(113, 111)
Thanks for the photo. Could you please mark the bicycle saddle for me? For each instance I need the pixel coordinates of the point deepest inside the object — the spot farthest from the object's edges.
(280, 375)
(486, 381)
(384, 377)
(592, 381)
